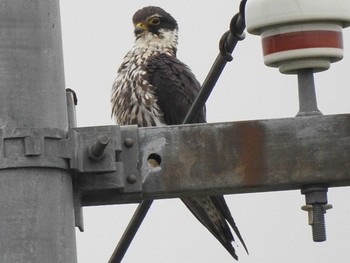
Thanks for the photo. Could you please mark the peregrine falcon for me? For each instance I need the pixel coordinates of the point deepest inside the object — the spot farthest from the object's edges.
(154, 88)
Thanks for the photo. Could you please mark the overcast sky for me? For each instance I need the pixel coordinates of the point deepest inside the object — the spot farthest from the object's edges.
(96, 36)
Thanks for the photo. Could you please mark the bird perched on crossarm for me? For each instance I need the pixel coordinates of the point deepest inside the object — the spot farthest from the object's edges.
(154, 88)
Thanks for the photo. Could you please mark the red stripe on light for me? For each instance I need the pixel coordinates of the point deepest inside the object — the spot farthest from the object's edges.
(303, 39)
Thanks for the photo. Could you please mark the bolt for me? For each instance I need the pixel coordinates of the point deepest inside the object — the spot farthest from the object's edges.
(128, 142)
(131, 178)
(319, 225)
(316, 205)
(97, 150)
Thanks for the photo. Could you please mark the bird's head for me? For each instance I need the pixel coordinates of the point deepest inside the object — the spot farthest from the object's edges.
(153, 22)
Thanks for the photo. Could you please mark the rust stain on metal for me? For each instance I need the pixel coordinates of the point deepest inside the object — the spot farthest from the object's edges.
(251, 148)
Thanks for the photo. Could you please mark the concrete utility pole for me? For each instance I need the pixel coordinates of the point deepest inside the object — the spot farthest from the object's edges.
(36, 203)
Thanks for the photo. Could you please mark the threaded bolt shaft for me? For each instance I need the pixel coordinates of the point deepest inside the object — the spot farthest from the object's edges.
(318, 225)
(97, 150)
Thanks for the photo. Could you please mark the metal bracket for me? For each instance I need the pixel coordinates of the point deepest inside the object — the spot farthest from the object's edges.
(32, 147)
(113, 172)
(115, 169)
(105, 161)
(83, 139)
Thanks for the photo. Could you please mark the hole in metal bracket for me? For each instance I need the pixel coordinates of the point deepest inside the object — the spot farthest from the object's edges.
(154, 160)
(118, 156)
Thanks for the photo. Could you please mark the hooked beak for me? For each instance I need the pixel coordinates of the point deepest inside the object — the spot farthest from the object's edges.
(139, 28)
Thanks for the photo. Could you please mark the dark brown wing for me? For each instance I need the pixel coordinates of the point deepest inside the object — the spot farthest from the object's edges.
(176, 90)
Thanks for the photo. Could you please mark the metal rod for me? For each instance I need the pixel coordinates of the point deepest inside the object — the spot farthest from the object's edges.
(307, 93)
(72, 101)
(97, 150)
(237, 27)
(208, 85)
(217, 67)
(308, 107)
(130, 231)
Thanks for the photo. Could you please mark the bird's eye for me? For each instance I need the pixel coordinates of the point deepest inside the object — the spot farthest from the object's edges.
(155, 21)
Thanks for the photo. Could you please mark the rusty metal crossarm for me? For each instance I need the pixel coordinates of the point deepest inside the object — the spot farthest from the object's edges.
(237, 157)
(251, 156)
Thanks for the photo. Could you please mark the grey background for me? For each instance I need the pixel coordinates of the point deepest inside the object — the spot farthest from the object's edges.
(96, 36)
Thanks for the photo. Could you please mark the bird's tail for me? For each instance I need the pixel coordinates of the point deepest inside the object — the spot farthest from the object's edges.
(213, 213)
(220, 202)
